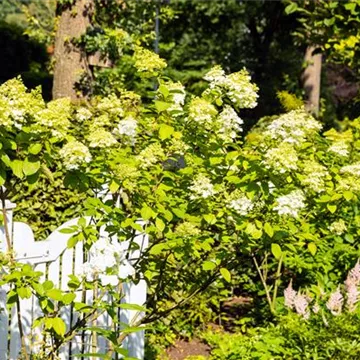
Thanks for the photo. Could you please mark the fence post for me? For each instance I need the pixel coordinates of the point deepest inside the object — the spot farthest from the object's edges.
(4, 316)
(9, 206)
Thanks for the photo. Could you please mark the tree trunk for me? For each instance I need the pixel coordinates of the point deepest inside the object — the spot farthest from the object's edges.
(311, 79)
(70, 61)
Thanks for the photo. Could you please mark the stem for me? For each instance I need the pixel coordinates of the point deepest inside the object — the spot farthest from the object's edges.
(21, 330)
(9, 245)
(277, 282)
(6, 225)
(263, 281)
(94, 334)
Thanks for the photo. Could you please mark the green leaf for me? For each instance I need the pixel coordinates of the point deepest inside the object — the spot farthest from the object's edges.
(269, 230)
(2, 176)
(48, 284)
(82, 222)
(165, 131)
(55, 294)
(208, 265)
(225, 274)
(68, 298)
(291, 8)
(218, 102)
(329, 22)
(30, 167)
(35, 149)
(24, 292)
(6, 160)
(179, 213)
(348, 195)
(276, 251)
(331, 208)
(161, 106)
(146, 213)
(257, 234)
(157, 249)
(210, 218)
(135, 307)
(17, 168)
(163, 90)
(70, 230)
(114, 187)
(312, 248)
(59, 326)
(93, 355)
(160, 225)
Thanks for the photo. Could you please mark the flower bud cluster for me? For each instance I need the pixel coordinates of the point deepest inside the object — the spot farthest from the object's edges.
(147, 61)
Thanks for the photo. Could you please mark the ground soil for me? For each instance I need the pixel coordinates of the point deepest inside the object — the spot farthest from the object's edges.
(183, 348)
(232, 309)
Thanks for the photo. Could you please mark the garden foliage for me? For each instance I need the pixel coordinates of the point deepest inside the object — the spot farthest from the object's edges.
(280, 204)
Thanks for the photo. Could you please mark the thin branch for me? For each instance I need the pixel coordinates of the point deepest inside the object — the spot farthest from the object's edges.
(268, 297)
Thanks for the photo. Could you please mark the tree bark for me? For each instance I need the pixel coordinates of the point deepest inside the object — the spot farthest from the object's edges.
(70, 61)
(311, 79)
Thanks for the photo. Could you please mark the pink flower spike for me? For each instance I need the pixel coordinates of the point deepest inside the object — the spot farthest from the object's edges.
(301, 305)
(354, 274)
(352, 295)
(335, 302)
(289, 295)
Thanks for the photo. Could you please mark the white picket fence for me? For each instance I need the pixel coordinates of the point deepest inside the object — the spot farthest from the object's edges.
(56, 262)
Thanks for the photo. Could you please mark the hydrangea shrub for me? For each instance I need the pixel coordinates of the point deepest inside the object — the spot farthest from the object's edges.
(283, 199)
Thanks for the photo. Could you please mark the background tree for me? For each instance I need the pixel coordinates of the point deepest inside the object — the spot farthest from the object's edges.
(333, 28)
(70, 60)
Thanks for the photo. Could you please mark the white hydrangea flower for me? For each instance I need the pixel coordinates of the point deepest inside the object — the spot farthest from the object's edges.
(151, 155)
(201, 188)
(293, 127)
(111, 105)
(178, 94)
(55, 117)
(271, 187)
(83, 114)
(230, 123)
(18, 117)
(353, 169)
(106, 280)
(241, 91)
(340, 148)
(291, 203)
(338, 227)
(349, 183)
(216, 76)
(315, 176)
(74, 154)
(107, 262)
(178, 147)
(202, 112)
(187, 229)
(101, 138)
(282, 159)
(127, 127)
(241, 204)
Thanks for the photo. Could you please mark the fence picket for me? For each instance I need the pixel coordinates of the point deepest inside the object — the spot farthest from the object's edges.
(56, 262)
(4, 325)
